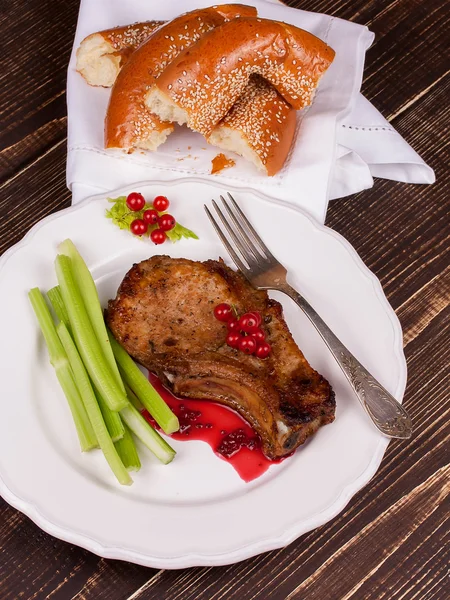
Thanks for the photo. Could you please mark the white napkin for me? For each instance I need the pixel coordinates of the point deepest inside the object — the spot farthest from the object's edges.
(330, 158)
(367, 147)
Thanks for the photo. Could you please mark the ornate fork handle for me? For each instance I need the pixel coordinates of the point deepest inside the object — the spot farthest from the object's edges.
(384, 410)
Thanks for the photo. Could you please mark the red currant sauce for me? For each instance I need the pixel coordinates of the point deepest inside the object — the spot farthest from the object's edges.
(230, 437)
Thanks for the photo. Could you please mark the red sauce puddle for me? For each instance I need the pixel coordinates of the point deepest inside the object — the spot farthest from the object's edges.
(230, 437)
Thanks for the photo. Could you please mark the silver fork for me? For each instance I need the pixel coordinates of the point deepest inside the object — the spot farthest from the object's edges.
(263, 271)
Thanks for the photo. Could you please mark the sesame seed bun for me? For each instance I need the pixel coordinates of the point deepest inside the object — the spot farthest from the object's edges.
(202, 83)
(129, 124)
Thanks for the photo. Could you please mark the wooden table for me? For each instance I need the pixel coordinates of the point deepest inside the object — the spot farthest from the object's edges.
(389, 542)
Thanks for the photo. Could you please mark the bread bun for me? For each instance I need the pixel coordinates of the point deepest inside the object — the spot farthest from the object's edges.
(101, 55)
(260, 127)
(128, 122)
(202, 83)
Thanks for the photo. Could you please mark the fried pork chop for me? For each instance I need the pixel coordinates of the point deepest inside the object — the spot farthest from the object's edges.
(163, 317)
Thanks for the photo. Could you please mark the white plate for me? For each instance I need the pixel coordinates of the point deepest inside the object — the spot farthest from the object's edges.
(195, 511)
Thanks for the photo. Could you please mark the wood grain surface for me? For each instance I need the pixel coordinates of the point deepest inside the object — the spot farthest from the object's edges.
(392, 540)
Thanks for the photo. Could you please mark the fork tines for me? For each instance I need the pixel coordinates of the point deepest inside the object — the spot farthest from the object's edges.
(250, 246)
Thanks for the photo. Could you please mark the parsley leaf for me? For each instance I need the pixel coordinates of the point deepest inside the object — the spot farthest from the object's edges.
(120, 214)
(179, 232)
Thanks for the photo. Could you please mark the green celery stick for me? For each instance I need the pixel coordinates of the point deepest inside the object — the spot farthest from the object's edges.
(92, 407)
(85, 339)
(134, 400)
(88, 290)
(140, 385)
(54, 295)
(59, 360)
(127, 451)
(148, 436)
(112, 419)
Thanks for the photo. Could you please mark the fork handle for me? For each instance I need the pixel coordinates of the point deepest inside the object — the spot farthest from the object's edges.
(388, 415)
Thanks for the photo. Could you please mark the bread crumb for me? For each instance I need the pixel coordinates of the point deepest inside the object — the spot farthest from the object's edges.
(221, 162)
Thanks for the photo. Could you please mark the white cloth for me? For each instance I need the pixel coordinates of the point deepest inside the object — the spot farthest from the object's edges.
(342, 142)
(367, 147)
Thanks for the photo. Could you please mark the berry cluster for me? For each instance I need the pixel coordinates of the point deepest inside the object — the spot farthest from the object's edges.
(244, 333)
(151, 216)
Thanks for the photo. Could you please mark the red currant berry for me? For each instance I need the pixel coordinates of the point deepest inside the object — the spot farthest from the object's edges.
(248, 323)
(223, 312)
(158, 237)
(160, 203)
(167, 222)
(257, 316)
(150, 216)
(233, 324)
(234, 339)
(247, 345)
(138, 227)
(259, 336)
(263, 350)
(135, 201)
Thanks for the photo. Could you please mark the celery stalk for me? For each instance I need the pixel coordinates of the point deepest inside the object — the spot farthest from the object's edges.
(140, 385)
(88, 290)
(133, 399)
(85, 339)
(92, 408)
(54, 295)
(112, 419)
(58, 359)
(148, 436)
(126, 449)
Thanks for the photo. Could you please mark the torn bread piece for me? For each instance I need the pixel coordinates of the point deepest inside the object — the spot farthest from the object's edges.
(260, 127)
(101, 55)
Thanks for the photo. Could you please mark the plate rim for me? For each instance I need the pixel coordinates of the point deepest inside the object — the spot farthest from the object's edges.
(193, 559)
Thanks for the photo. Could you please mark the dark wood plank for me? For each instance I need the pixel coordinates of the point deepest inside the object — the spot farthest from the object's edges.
(24, 547)
(400, 231)
(408, 56)
(427, 558)
(36, 45)
(377, 543)
(32, 145)
(33, 193)
(37, 40)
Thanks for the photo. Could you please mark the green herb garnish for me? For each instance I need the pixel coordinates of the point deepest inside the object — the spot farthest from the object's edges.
(122, 216)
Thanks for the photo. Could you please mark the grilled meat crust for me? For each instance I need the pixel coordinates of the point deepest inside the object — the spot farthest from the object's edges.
(163, 316)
